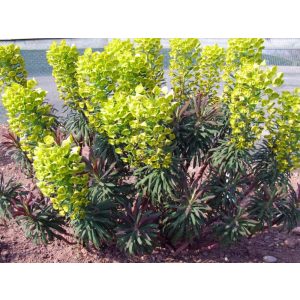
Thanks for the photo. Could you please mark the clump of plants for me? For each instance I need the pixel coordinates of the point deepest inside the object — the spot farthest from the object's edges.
(138, 164)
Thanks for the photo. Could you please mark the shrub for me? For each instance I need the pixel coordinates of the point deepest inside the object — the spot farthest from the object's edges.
(137, 165)
(137, 232)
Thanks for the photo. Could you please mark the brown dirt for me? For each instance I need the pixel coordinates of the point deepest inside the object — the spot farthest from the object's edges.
(14, 247)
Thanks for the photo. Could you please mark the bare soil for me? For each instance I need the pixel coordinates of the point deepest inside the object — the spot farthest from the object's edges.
(14, 247)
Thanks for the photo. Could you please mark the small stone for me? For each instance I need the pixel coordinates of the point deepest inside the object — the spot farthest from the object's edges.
(296, 230)
(269, 259)
(291, 242)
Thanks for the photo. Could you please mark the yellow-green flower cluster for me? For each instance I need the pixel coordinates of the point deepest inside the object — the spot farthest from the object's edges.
(210, 66)
(252, 102)
(118, 47)
(284, 130)
(97, 75)
(184, 63)
(140, 64)
(257, 111)
(139, 126)
(63, 59)
(151, 48)
(239, 52)
(12, 66)
(121, 67)
(28, 116)
(61, 176)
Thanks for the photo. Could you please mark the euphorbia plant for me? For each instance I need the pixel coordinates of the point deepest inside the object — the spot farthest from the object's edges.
(163, 164)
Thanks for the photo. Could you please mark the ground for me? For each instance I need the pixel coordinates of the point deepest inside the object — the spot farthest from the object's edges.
(14, 247)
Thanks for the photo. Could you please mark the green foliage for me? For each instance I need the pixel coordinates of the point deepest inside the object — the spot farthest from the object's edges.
(12, 66)
(266, 167)
(186, 217)
(105, 182)
(199, 122)
(61, 176)
(287, 213)
(226, 191)
(233, 227)
(11, 146)
(29, 117)
(63, 59)
(158, 184)
(138, 229)
(97, 225)
(270, 206)
(78, 126)
(229, 158)
(102, 149)
(38, 220)
(8, 192)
